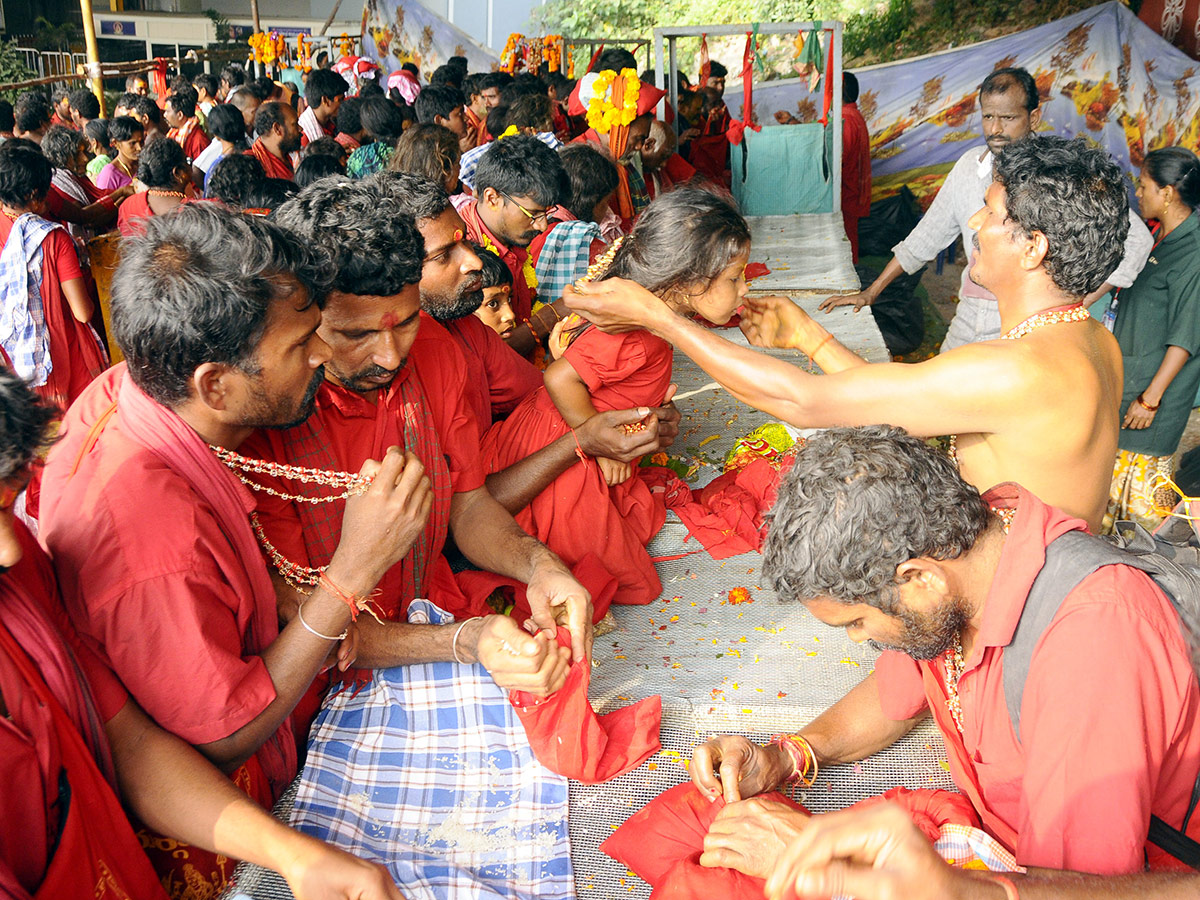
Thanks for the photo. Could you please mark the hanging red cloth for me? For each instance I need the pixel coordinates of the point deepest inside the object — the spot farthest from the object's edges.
(737, 128)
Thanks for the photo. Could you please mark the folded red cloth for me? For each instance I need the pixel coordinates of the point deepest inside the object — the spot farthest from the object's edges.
(569, 738)
(726, 516)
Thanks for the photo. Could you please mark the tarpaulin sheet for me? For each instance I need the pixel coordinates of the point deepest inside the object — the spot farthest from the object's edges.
(791, 155)
(398, 31)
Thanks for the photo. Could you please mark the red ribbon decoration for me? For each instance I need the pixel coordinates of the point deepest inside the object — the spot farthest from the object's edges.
(737, 128)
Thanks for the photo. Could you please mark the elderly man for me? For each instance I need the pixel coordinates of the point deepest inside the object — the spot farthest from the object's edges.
(147, 512)
(1008, 103)
(278, 130)
(874, 531)
(1038, 407)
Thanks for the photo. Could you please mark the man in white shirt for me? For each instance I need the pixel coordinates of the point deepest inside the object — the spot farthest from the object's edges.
(323, 92)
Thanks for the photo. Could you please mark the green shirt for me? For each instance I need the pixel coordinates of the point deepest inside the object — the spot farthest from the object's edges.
(1161, 309)
(97, 165)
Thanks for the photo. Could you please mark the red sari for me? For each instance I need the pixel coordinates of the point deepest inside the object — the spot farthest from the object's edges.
(578, 514)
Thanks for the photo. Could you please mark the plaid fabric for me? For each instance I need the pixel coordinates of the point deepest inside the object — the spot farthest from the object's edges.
(369, 159)
(23, 332)
(972, 848)
(470, 160)
(428, 771)
(564, 256)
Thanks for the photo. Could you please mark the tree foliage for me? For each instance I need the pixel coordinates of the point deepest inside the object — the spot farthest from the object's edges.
(12, 69)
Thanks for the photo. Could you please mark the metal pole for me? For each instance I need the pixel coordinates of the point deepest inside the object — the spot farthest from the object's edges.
(93, 52)
(673, 82)
(333, 12)
(257, 30)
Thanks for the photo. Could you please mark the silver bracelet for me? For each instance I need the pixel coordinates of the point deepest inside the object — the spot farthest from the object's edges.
(454, 643)
(313, 631)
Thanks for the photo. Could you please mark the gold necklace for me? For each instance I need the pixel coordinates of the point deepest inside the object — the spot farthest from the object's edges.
(352, 482)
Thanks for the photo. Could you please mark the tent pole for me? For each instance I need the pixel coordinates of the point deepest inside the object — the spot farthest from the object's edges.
(93, 52)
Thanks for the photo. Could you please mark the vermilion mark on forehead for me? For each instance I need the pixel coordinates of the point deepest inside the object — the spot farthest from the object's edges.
(389, 321)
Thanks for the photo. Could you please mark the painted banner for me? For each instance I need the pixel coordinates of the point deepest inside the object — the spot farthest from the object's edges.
(1101, 73)
(395, 32)
(1178, 21)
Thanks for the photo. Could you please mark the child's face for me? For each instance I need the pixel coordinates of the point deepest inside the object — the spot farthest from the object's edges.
(496, 311)
(725, 294)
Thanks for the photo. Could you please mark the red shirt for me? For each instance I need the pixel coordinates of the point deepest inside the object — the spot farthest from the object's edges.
(497, 376)
(151, 581)
(358, 429)
(1108, 722)
(272, 164)
(856, 162)
(514, 258)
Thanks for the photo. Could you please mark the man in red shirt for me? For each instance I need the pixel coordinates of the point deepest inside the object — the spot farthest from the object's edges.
(856, 162)
(278, 130)
(1108, 732)
(517, 182)
(186, 130)
(397, 377)
(85, 732)
(150, 530)
(497, 377)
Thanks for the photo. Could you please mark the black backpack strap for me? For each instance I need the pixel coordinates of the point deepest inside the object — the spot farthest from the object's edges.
(1174, 841)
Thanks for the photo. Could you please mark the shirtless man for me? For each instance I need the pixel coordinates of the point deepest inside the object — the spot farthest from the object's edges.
(1040, 410)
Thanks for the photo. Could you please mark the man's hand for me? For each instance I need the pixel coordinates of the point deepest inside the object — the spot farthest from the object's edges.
(859, 300)
(555, 596)
(745, 768)
(326, 873)
(778, 322)
(872, 854)
(1138, 417)
(617, 305)
(750, 835)
(602, 434)
(614, 471)
(517, 660)
(380, 526)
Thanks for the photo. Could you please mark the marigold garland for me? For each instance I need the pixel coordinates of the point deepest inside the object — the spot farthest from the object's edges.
(602, 113)
(527, 271)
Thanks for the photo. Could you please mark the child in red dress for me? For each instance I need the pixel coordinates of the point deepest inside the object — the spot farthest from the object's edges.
(690, 248)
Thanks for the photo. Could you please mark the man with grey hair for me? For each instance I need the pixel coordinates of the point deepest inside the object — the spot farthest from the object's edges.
(875, 532)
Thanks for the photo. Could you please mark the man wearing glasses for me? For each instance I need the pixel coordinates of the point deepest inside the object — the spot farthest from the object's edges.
(518, 181)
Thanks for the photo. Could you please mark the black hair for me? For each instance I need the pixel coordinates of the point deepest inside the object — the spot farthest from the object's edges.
(716, 70)
(370, 88)
(7, 119)
(1177, 167)
(184, 101)
(447, 74)
(516, 89)
(97, 130)
(233, 75)
(348, 121)
(197, 287)
(1077, 197)
(127, 101)
(257, 89)
(615, 59)
(437, 100)
(473, 85)
(495, 80)
(411, 67)
(159, 163)
(33, 111)
(226, 122)
(131, 80)
(849, 87)
(428, 150)
(999, 82)
(266, 84)
(316, 166)
(267, 116)
(123, 128)
(496, 120)
(522, 166)
(534, 111)
(232, 177)
(85, 103)
(206, 81)
(592, 177)
(373, 244)
(494, 272)
(59, 94)
(25, 175)
(325, 146)
(145, 106)
(24, 424)
(421, 199)
(269, 194)
(458, 62)
(59, 145)
(324, 84)
(683, 240)
(381, 119)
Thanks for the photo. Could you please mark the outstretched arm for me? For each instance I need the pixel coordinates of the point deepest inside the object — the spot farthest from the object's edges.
(778, 322)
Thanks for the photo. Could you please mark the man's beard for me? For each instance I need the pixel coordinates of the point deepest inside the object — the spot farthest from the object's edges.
(467, 299)
(358, 382)
(928, 636)
(279, 413)
(290, 145)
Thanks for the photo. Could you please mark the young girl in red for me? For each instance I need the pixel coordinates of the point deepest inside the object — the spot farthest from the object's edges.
(689, 247)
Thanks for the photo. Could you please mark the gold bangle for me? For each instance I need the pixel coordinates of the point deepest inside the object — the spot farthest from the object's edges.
(1146, 406)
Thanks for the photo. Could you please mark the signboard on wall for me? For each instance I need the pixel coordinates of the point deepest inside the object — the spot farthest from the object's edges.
(118, 27)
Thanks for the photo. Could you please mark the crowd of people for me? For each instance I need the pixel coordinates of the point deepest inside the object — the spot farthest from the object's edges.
(414, 343)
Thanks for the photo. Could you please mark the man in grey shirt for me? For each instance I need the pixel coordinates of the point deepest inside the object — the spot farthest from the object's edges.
(1008, 103)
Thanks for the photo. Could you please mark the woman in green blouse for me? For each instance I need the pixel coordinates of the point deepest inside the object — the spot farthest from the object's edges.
(1158, 328)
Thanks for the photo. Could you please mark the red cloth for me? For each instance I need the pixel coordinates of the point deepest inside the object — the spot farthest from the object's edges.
(514, 258)
(678, 169)
(131, 214)
(477, 125)
(1108, 732)
(194, 141)
(726, 515)
(737, 128)
(497, 376)
(272, 164)
(76, 356)
(188, 581)
(856, 171)
(569, 738)
(348, 142)
(621, 371)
